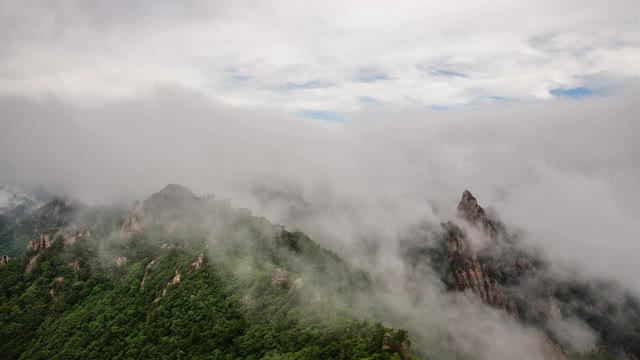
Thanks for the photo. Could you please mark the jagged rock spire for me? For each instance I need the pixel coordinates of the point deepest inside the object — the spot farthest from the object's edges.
(469, 210)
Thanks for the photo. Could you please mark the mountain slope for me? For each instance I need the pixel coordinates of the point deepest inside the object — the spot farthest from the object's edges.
(186, 276)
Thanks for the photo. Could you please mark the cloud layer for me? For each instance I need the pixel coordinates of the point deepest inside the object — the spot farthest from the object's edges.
(320, 59)
(565, 172)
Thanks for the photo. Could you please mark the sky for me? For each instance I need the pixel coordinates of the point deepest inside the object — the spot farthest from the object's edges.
(328, 60)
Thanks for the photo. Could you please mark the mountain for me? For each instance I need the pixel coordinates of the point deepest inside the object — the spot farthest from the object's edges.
(182, 276)
(476, 254)
(185, 276)
(18, 200)
(17, 203)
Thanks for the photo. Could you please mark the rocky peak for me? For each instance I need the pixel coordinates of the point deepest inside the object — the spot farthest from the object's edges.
(57, 208)
(172, 195)
(485, 271)
(471, 211)
(168, 208)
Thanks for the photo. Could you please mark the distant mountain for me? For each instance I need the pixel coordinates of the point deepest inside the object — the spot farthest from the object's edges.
(16, 201)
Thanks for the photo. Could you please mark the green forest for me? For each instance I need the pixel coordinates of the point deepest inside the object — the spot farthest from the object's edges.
(260, 293)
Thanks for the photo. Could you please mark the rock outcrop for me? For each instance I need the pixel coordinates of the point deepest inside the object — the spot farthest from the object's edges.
(33, 261)
(46, 241)
(74, 233)
(469, 210)
(279, 277)
(43, 242)
(176, 211)
(464, 272)
(147, 270)
(506, 275)
(121, 261)
(196, 265)
(133, 222)
(69, 236)
(481, 270)
(4, 259)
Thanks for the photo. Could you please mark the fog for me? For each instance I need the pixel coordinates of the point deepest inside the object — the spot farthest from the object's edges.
(564, 172)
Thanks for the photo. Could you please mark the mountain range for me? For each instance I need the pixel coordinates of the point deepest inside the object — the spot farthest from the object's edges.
(185, 276)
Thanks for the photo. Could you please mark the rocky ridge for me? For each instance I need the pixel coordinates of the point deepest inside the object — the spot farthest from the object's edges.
(476, 254)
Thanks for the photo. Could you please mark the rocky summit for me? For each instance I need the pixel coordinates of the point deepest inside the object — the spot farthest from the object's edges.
(505, 274)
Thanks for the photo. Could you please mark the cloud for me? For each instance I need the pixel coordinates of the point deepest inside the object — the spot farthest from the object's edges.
(106, 50)
(564, 172)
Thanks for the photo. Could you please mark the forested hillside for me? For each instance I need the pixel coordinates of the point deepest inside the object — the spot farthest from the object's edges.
(185, 277)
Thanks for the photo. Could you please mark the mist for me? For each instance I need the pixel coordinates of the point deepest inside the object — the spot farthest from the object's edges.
(563, 172)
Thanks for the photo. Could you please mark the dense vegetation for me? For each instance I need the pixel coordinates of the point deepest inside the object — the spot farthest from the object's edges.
(77, 302)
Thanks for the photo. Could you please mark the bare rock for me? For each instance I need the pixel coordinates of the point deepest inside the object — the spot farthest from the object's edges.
(177, 278)
(70, 236)
(147, 270)
(4, 259)
(469, 210)
(279, 277)
(298, 284)
(121, 261)
(133, 224)
(42, 243)
(196, 265)
(32, 263)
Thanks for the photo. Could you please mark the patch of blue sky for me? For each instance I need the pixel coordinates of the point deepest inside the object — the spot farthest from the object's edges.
(576, 92)
(307, 85)
(240, 78)
(368, 100)
(499, 98)
(324, 115)
(449, 73)
(370, 78)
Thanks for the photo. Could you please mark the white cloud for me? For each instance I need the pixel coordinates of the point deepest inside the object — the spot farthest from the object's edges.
(95, 51)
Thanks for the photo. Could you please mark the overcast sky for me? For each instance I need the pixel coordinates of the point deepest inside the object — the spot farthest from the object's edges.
(321, 59)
